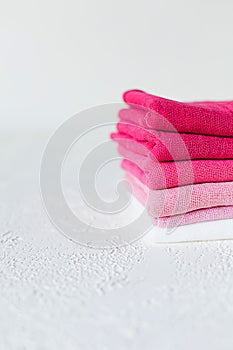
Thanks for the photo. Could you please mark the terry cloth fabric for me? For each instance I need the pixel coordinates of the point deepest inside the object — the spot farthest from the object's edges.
(202, 215)
(160, 175)
(210, 118)
(169, 146)
(179, 200)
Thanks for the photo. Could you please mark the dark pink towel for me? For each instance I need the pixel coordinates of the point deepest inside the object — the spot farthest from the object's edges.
(210, 118)
(168, 146)
(160, 175)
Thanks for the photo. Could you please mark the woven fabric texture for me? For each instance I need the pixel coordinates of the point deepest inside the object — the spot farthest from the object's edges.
(169, 146)
(211, 118)
(179, 200)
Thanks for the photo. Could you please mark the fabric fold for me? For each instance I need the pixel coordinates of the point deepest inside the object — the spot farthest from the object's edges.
(160, 175)
(169, 146)
(208, 118)
(197, 216)
(194, 213)
(180, 200)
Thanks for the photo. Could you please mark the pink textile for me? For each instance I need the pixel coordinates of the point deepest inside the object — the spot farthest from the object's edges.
(160, 175)
(179, 200)
(168, 146)
(193, 217)
(208, 118)
(205, 202)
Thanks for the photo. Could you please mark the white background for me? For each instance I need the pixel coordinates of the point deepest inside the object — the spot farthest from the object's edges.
(57, 56)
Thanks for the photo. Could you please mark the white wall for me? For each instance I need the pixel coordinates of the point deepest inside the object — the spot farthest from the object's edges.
(60, 56)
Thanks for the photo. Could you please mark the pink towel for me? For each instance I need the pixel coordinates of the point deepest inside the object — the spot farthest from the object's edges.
(193, 217)
(168, 146)
(172, 174)
(189, 217)
(179, 200)
(211, 118)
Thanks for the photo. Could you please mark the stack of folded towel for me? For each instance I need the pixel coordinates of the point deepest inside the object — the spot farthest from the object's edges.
(178, 157)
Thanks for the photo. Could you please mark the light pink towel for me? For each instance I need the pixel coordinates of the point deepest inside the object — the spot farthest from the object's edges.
(160, 175)
(179, 200)
(193, 217)
(189, 217)
(211, 118)
(168, 146)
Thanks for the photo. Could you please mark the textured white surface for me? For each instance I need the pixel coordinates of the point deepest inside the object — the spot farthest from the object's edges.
(55, 294)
